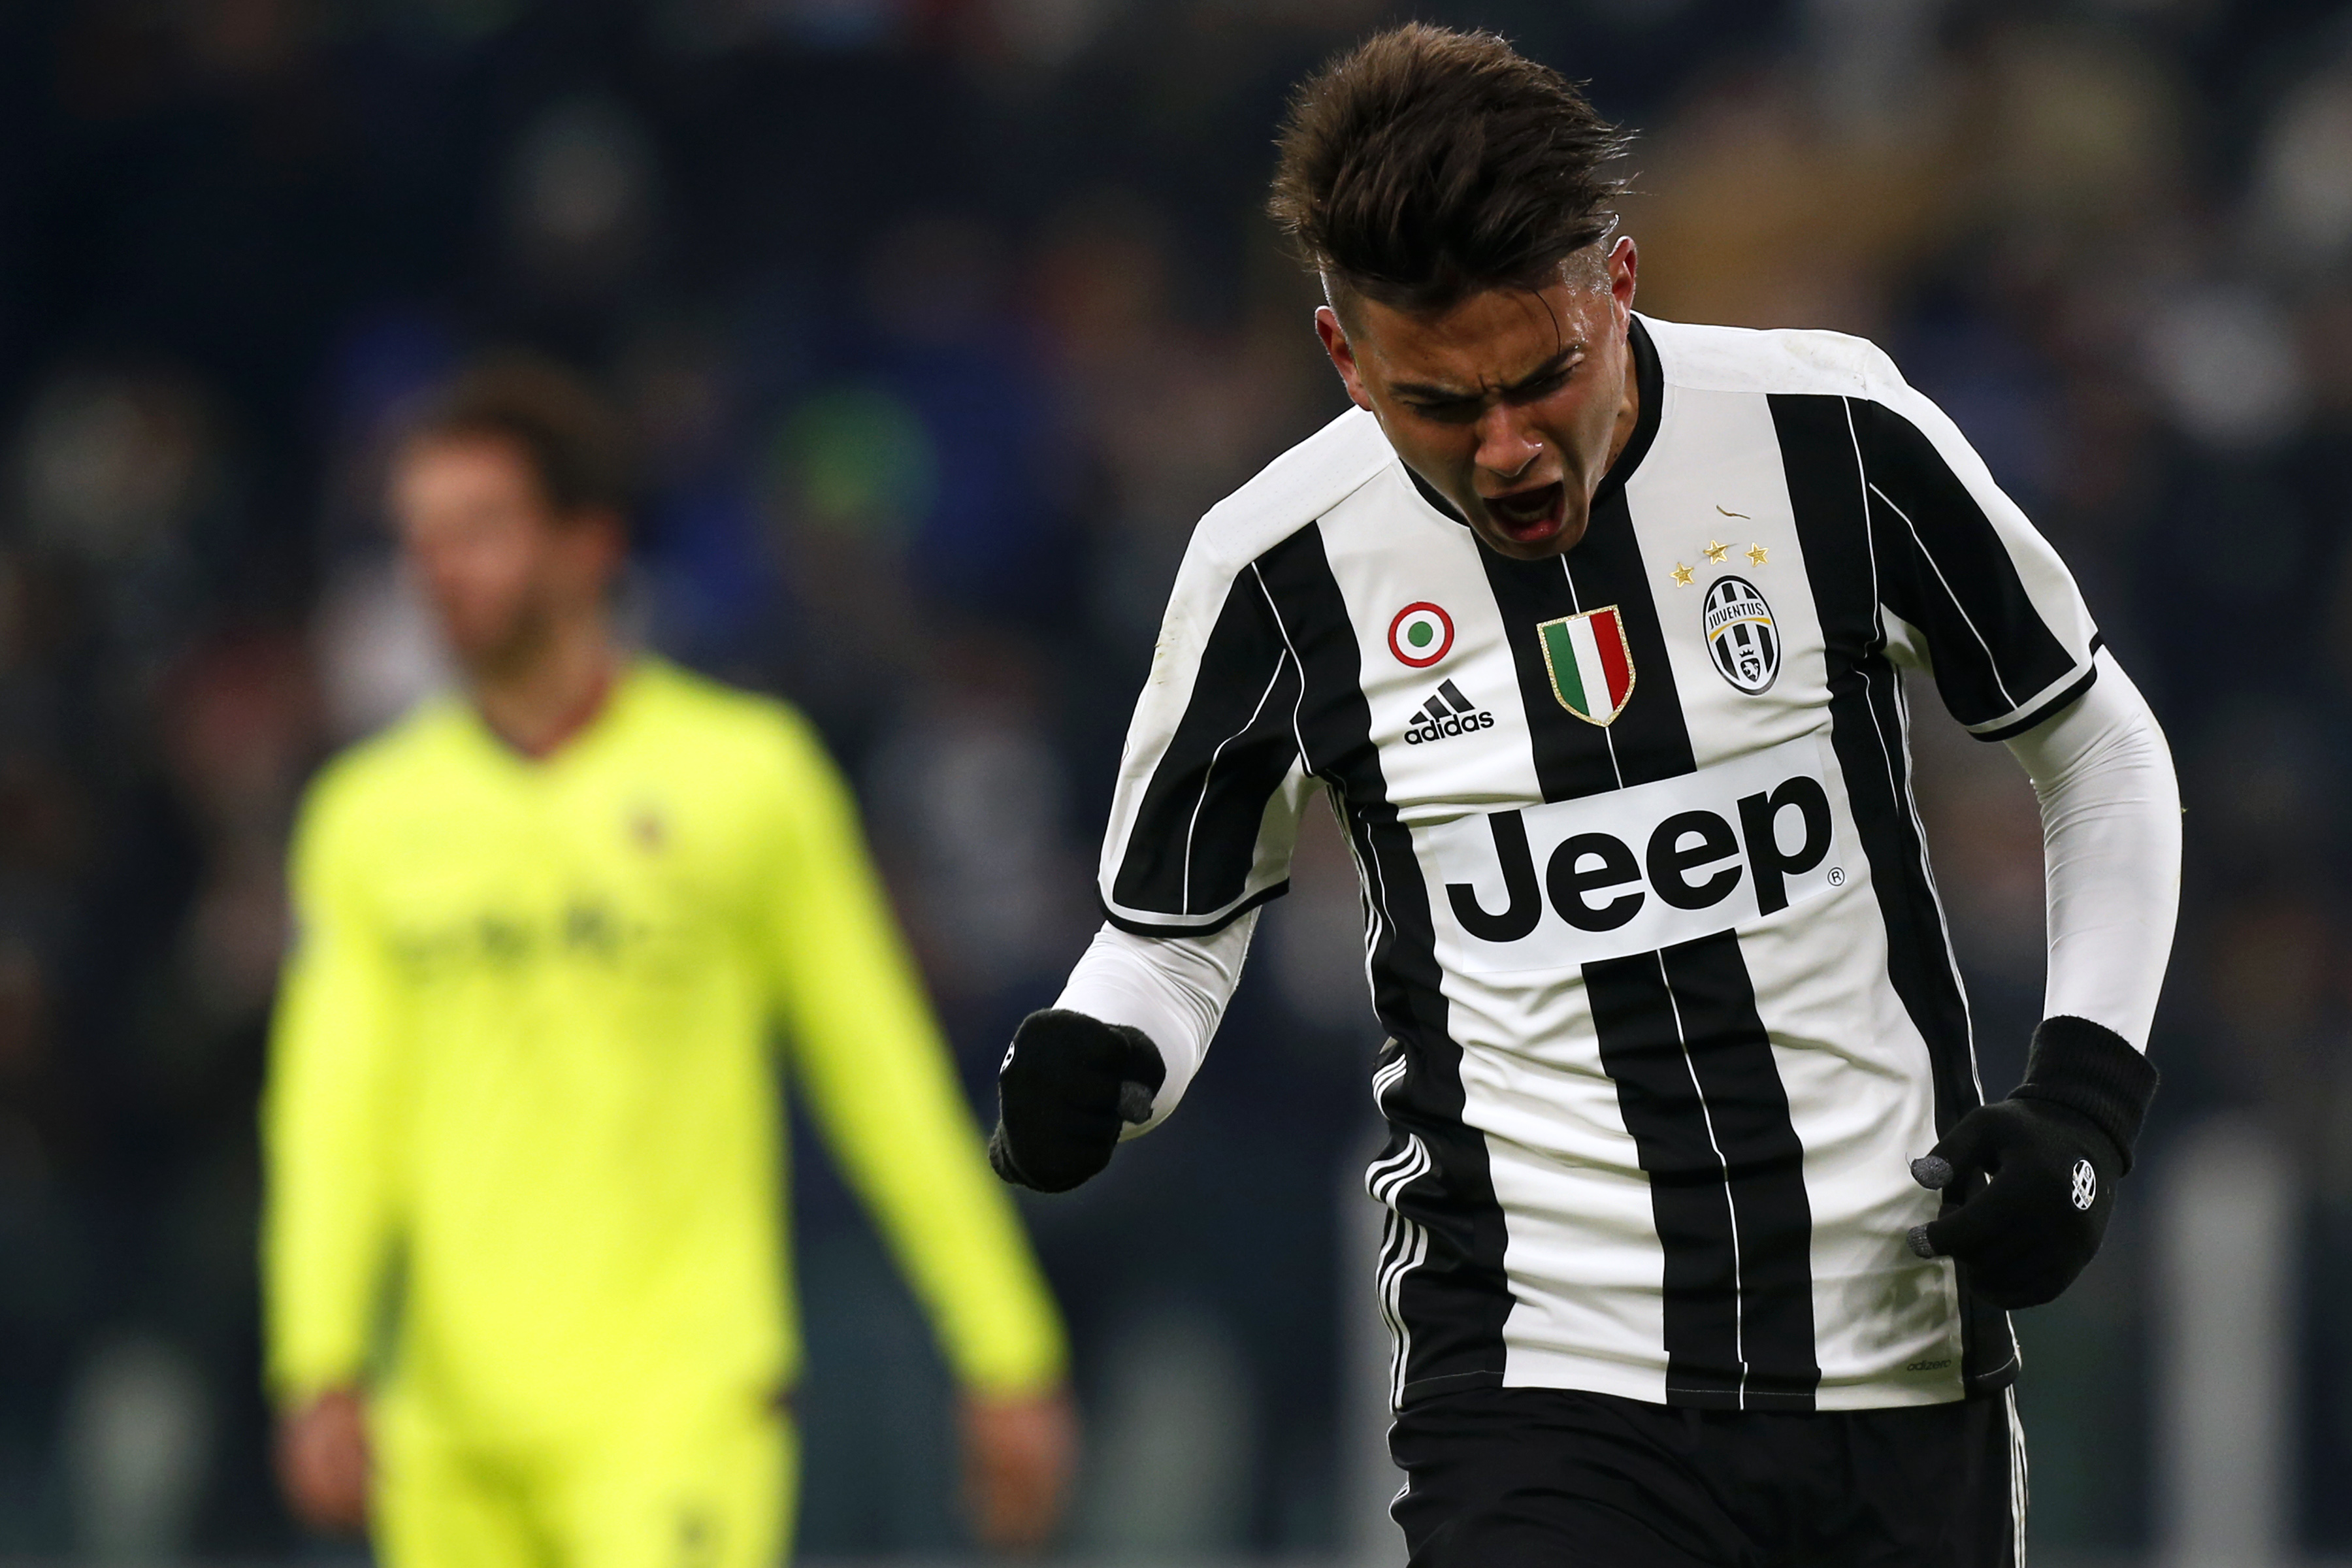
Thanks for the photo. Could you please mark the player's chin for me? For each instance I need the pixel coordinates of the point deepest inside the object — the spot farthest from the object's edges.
(1532, 524)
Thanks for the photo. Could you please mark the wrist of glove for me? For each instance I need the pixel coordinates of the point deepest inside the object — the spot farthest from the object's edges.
(1068, 1088)
(2029, 1181)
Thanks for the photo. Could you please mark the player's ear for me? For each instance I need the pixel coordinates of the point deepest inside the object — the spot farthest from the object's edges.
(1343, 354)
(601, 540)
(1624, 261)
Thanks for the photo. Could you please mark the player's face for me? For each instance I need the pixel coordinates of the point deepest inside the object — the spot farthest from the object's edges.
(1512, 404)
(501, 568)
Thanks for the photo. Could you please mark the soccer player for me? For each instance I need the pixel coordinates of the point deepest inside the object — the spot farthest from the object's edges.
(1591, 628)
(520, 1101)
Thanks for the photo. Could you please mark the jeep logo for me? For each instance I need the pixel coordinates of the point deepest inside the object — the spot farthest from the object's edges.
(1641, 867)
(1596, 882)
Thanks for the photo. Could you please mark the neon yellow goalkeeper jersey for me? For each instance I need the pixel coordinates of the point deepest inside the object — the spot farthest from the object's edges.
(523, 1068)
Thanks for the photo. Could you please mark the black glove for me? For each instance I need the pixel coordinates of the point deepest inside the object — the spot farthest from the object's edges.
(2054, 1150)
(1067, 1086)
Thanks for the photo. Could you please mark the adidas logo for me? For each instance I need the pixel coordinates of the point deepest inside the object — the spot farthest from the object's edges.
(1447, 713)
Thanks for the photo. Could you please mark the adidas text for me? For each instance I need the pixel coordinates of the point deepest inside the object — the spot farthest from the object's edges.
(1447, 713)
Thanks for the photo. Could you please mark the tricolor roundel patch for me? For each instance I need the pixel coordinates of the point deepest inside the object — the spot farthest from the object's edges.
(1591, 662)
(1421, 635)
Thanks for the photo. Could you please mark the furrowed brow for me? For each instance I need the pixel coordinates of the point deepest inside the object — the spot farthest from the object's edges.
(1421, 391)
(1426, 393)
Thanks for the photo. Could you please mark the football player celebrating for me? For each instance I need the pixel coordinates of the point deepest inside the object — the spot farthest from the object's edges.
(1592, 629)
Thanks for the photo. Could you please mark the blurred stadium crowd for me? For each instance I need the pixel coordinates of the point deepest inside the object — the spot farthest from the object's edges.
(939, 322)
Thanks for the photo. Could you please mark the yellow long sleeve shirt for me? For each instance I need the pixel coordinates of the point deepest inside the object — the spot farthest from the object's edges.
(522, 1066)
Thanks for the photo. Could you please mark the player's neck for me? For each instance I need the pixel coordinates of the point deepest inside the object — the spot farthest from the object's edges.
(1629, 411)
(538, 704)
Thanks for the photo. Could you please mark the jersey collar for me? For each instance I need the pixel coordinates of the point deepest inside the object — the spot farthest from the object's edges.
(594, 718)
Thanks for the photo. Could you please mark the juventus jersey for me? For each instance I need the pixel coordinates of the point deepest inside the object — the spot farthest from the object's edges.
(1649, 916)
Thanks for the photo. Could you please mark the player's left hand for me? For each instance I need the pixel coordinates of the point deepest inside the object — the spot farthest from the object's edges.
(2030, 1182)
(1018, 1457)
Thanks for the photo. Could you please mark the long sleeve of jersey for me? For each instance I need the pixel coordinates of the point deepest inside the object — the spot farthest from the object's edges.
(2111, 847)
(882, 1087)
(2015, 658)
(328, 1128)
(1174, 989)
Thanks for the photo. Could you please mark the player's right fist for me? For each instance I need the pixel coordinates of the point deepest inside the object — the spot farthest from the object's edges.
(1067, 1089)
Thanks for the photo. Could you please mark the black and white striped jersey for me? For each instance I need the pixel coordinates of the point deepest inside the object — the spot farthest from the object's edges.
(1649, 915)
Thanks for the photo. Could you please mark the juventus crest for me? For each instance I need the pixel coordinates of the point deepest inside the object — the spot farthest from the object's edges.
(1740, 636)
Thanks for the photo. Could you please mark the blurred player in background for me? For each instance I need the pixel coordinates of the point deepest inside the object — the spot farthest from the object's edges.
(524, 1247)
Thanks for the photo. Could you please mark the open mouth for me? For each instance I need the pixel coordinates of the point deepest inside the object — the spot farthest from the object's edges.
(1528, 516)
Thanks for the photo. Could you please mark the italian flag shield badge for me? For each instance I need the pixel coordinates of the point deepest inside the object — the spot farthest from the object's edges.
(1591, 662)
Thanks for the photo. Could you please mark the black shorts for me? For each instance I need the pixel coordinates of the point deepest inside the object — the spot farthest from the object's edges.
(1545, 1478)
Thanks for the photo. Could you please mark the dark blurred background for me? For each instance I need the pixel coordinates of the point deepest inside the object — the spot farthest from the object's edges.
(941, 322)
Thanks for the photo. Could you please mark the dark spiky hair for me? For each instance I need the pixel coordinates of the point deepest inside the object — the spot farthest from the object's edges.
(1426, 165)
